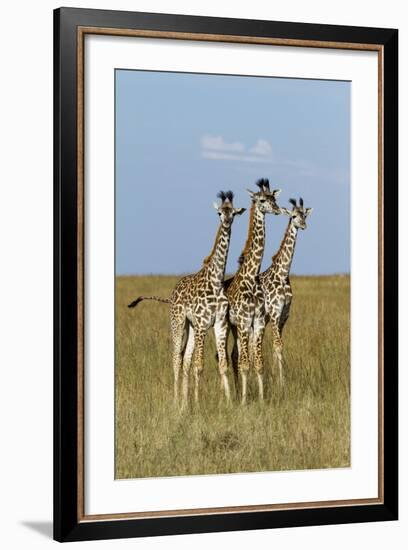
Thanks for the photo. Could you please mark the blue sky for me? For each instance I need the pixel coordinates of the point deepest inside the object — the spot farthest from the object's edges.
(180, 138)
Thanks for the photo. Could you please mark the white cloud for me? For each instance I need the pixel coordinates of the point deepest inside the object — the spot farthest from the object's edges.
(217, 143)
(216, 148)
(218, 155)
(262, 147)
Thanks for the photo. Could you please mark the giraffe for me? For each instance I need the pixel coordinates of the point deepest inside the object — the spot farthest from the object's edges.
(246, 313)
(197, 303)
(275, 281)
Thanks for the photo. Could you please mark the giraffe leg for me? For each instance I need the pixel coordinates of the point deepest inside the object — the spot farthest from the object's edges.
(177, 323)
(286, 308)
(221, 339)
(277, 349)
(279, 357)
(198, 358)
(251, 340)
(234, 359)
(259, 330)
(188, 354)
(243, 359)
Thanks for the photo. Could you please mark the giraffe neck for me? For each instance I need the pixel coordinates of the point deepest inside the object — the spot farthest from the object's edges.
(216, 262)
(251, 257)
(282, 260)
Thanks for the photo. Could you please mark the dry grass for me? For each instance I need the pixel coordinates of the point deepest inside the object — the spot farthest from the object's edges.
(304, 425)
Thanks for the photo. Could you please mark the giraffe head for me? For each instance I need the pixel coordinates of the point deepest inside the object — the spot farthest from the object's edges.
(265, 199)
(226, 210)
(298, 214)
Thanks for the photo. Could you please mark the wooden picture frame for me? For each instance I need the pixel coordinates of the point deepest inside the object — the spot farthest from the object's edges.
(70, 520)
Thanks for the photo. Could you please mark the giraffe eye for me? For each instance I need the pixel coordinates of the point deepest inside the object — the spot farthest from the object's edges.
(219, 213)
(262, 200)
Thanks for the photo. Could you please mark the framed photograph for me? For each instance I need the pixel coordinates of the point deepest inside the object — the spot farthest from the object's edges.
(225, 274)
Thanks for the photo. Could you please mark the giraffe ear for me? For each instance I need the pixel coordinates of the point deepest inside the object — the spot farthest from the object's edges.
(252, 193)
(216, 206)
(308, 211)
(276, 192)
(239, 211)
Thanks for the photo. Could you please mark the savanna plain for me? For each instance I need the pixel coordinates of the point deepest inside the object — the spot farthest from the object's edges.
(303, 425)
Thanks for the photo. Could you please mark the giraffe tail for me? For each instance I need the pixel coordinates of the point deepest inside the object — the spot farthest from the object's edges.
(156, 298)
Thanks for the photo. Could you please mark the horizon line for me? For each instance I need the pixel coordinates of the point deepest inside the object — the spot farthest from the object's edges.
(150, 274)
